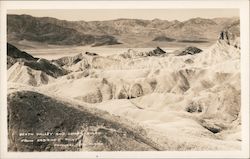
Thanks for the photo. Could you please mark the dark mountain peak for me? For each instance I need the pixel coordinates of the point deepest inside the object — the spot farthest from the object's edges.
(14, 52)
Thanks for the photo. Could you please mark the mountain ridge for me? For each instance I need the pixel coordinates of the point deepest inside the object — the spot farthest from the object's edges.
(110, 32)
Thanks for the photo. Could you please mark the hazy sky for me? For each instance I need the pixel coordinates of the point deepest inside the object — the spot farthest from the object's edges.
(108, 14)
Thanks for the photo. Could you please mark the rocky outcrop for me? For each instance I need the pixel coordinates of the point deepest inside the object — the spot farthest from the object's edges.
(69, 60)
(134, 54)
(122, 94)
(231, 35)
(229, 38)
(164, 38)
(91, 54)
(46, 66)
(191, 50)
(156, 52)
(136, 91)
(20, 73)
(105, 40)
(10, 61)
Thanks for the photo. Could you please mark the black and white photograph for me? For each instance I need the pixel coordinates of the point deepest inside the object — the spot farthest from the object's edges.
(124, 80)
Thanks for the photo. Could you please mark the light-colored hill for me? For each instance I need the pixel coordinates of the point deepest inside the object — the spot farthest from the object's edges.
(20, 73)
(188, 102)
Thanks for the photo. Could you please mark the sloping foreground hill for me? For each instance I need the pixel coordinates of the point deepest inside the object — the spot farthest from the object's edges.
(33, 112)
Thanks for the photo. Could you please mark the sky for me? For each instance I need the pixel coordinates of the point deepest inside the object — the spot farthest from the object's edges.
(110, 14)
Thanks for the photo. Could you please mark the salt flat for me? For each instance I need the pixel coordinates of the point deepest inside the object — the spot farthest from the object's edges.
(54, 53)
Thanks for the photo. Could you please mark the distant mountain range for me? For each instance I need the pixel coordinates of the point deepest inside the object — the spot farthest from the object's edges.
(127, 31)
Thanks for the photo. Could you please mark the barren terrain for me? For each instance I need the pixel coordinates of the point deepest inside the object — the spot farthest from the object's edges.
(179, 98)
